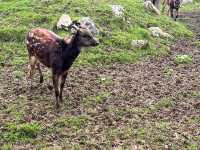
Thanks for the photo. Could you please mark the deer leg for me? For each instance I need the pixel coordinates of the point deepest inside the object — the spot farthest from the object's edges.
(55, 84)
(32, 63)
(62, 79)
(177, 14)
(168, 11)
(40, 72)
(171, 12)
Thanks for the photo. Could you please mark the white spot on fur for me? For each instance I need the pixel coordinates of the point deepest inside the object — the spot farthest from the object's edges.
(36, 37)
(36, 44)
(31, 34)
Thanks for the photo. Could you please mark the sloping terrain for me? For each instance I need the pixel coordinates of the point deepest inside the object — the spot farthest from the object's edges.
(116, 33)
(151, 104)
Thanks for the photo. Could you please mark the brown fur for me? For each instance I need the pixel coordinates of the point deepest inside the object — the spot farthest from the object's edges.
(56, 53)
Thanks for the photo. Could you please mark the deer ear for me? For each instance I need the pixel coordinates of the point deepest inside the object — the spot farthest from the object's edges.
(75, 25)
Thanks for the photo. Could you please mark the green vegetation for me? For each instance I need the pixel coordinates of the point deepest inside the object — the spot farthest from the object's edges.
(192, 6)
(183, 59)
(72, 122)
(197, 43)
(97, 99)
(21, 132)
(112, 115)
(196, 94)
(168, 72)
(20, 16)
(16, 110)
(162, 104)
(7, 146)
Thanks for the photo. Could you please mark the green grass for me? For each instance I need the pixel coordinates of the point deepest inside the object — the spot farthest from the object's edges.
(168, 72)
(152, 133)
(192, 6)
(197, 43)
(106, 80)
(18, 74)
(21, 132)
(195, 94)
(183, 59)
(19, 16)
(162, 104)
(76, 122)
(69, 129)
(192, 146)
(97, 99)
(163, 126)
(16, 110)
(7, 146)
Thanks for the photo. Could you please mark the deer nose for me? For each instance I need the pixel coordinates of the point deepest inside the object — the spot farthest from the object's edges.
(96, 41)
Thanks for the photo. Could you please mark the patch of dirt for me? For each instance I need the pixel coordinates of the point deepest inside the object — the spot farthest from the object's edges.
(133, 94)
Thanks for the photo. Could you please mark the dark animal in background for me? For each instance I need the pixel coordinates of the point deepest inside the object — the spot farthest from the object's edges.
(173, 5)
(57, 53)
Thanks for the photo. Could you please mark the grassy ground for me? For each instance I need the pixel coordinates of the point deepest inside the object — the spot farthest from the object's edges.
(111, 102)
(192, 6)
(19, 16)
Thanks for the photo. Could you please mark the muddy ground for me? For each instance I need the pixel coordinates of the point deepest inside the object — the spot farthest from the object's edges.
(151, 104)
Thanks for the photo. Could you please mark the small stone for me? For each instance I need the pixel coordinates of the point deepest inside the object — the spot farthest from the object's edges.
(142, 44)
(46, 1)
(150, 6)
(55, 147)
(64, 21)
(197, 105)
(187, 1)
(157, 32)
(118, 10)
(89, 24)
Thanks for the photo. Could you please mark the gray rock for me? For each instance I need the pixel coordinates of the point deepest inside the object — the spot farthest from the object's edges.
(150, 6)
(89, 24)
(118, 10)
(187, 1)
(142, 44)
(157, 32)
(47, 1)
(64, 21)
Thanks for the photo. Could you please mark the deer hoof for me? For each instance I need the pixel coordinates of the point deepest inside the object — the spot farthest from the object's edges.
(50, 87)
(41, 80)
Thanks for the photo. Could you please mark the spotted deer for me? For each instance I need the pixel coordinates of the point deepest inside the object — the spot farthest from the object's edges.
(58, 54)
